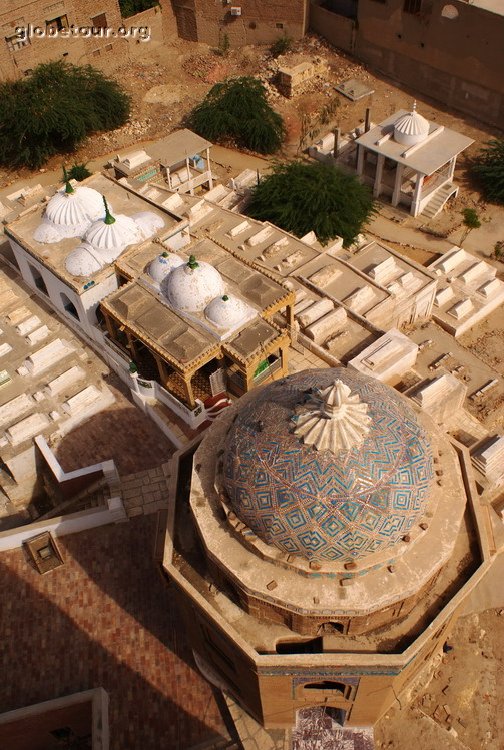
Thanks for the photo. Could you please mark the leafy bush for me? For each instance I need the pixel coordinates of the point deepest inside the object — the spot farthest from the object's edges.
(130, 7)
(79, 172)
(54, 109)
(282, 45)
(236, 110)
(224, 45)
(302, 197)
(488, 169)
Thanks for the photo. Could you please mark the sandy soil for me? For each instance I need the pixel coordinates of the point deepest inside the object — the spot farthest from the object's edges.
(460, 708)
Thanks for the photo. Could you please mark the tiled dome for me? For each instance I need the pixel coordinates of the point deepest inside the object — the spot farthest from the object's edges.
(329, 465)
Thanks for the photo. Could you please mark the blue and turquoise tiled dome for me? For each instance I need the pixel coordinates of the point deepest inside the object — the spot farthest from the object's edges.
(328, 464)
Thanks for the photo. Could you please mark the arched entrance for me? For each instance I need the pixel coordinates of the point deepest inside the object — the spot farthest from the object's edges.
(69, 306)
(331, 628)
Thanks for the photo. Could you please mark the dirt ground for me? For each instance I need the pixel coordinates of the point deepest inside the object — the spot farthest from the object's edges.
(460, 709)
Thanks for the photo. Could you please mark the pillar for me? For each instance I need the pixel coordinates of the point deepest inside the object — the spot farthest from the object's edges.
(360, 159)
(186, 380)
(378, 175)
(191, 189)
(110, 326)
(452, 168)
(397, 185)
(417, 195)
(210, 181)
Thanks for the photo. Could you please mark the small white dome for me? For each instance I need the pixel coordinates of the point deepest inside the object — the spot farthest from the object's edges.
(227, 311)
(162, 264)
(83, 261)
(148, 222)
(47, 232)
(111, 238)
(81, 206)
(411, 128)
(190, 287)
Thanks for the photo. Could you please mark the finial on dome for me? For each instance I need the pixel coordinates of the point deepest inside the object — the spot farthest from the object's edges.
(414, 106)
(109, 219)
(68, 185)
(192, 263)
(164, 254)
(225, 298)
(334, 419)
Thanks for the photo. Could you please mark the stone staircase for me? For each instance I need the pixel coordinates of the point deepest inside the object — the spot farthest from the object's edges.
(438, 200)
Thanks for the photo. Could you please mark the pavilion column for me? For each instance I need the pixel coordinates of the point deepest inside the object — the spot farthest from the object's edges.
(284, 353)
(131, 345)
(417, 195)
(210, 181)
(360, 159)
(398, 184)
(110, 326)
(163, 373)
(186, 380)
(452, 168)
(191, 189)
(378, 175)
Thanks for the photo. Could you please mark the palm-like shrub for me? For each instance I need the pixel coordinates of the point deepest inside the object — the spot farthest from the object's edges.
(54, 109)
(237, 111)
(488, 168)
(301, 198)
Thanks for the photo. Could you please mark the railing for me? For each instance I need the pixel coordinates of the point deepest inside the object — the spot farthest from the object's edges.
(268, 371)
(150, 389)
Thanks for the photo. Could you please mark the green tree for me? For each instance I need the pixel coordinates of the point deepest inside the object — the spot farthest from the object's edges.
(471, 221)
(301, 197)
(237, 111)
(79, 172)
(488, 169)
(130, 7)
(53, 110)
(281, 46)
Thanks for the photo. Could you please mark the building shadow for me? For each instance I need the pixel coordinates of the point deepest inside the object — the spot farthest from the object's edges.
(68, 631)
(123, 434)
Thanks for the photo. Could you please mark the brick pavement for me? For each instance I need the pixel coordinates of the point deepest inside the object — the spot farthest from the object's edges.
(146, 491)
(104, 618)
(121, 432)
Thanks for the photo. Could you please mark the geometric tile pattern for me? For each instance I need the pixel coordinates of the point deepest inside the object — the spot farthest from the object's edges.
(317, 504)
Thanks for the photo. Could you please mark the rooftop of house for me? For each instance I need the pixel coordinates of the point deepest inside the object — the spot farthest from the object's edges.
(185, 336)
(55, 254)
(439, 147)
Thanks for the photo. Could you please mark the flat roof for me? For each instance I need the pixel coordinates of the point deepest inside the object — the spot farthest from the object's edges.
(179, 341)
(427, 157)
(53, 256)
(186, 338)
(180, 144)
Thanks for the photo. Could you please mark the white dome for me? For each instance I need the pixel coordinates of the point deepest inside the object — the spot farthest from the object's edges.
(162, 264)
(47, 232)
(83, 261)
(111, 238)
(411, 128)
(81, 206)
(190, 287)
(148, 222)
(227, 311)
